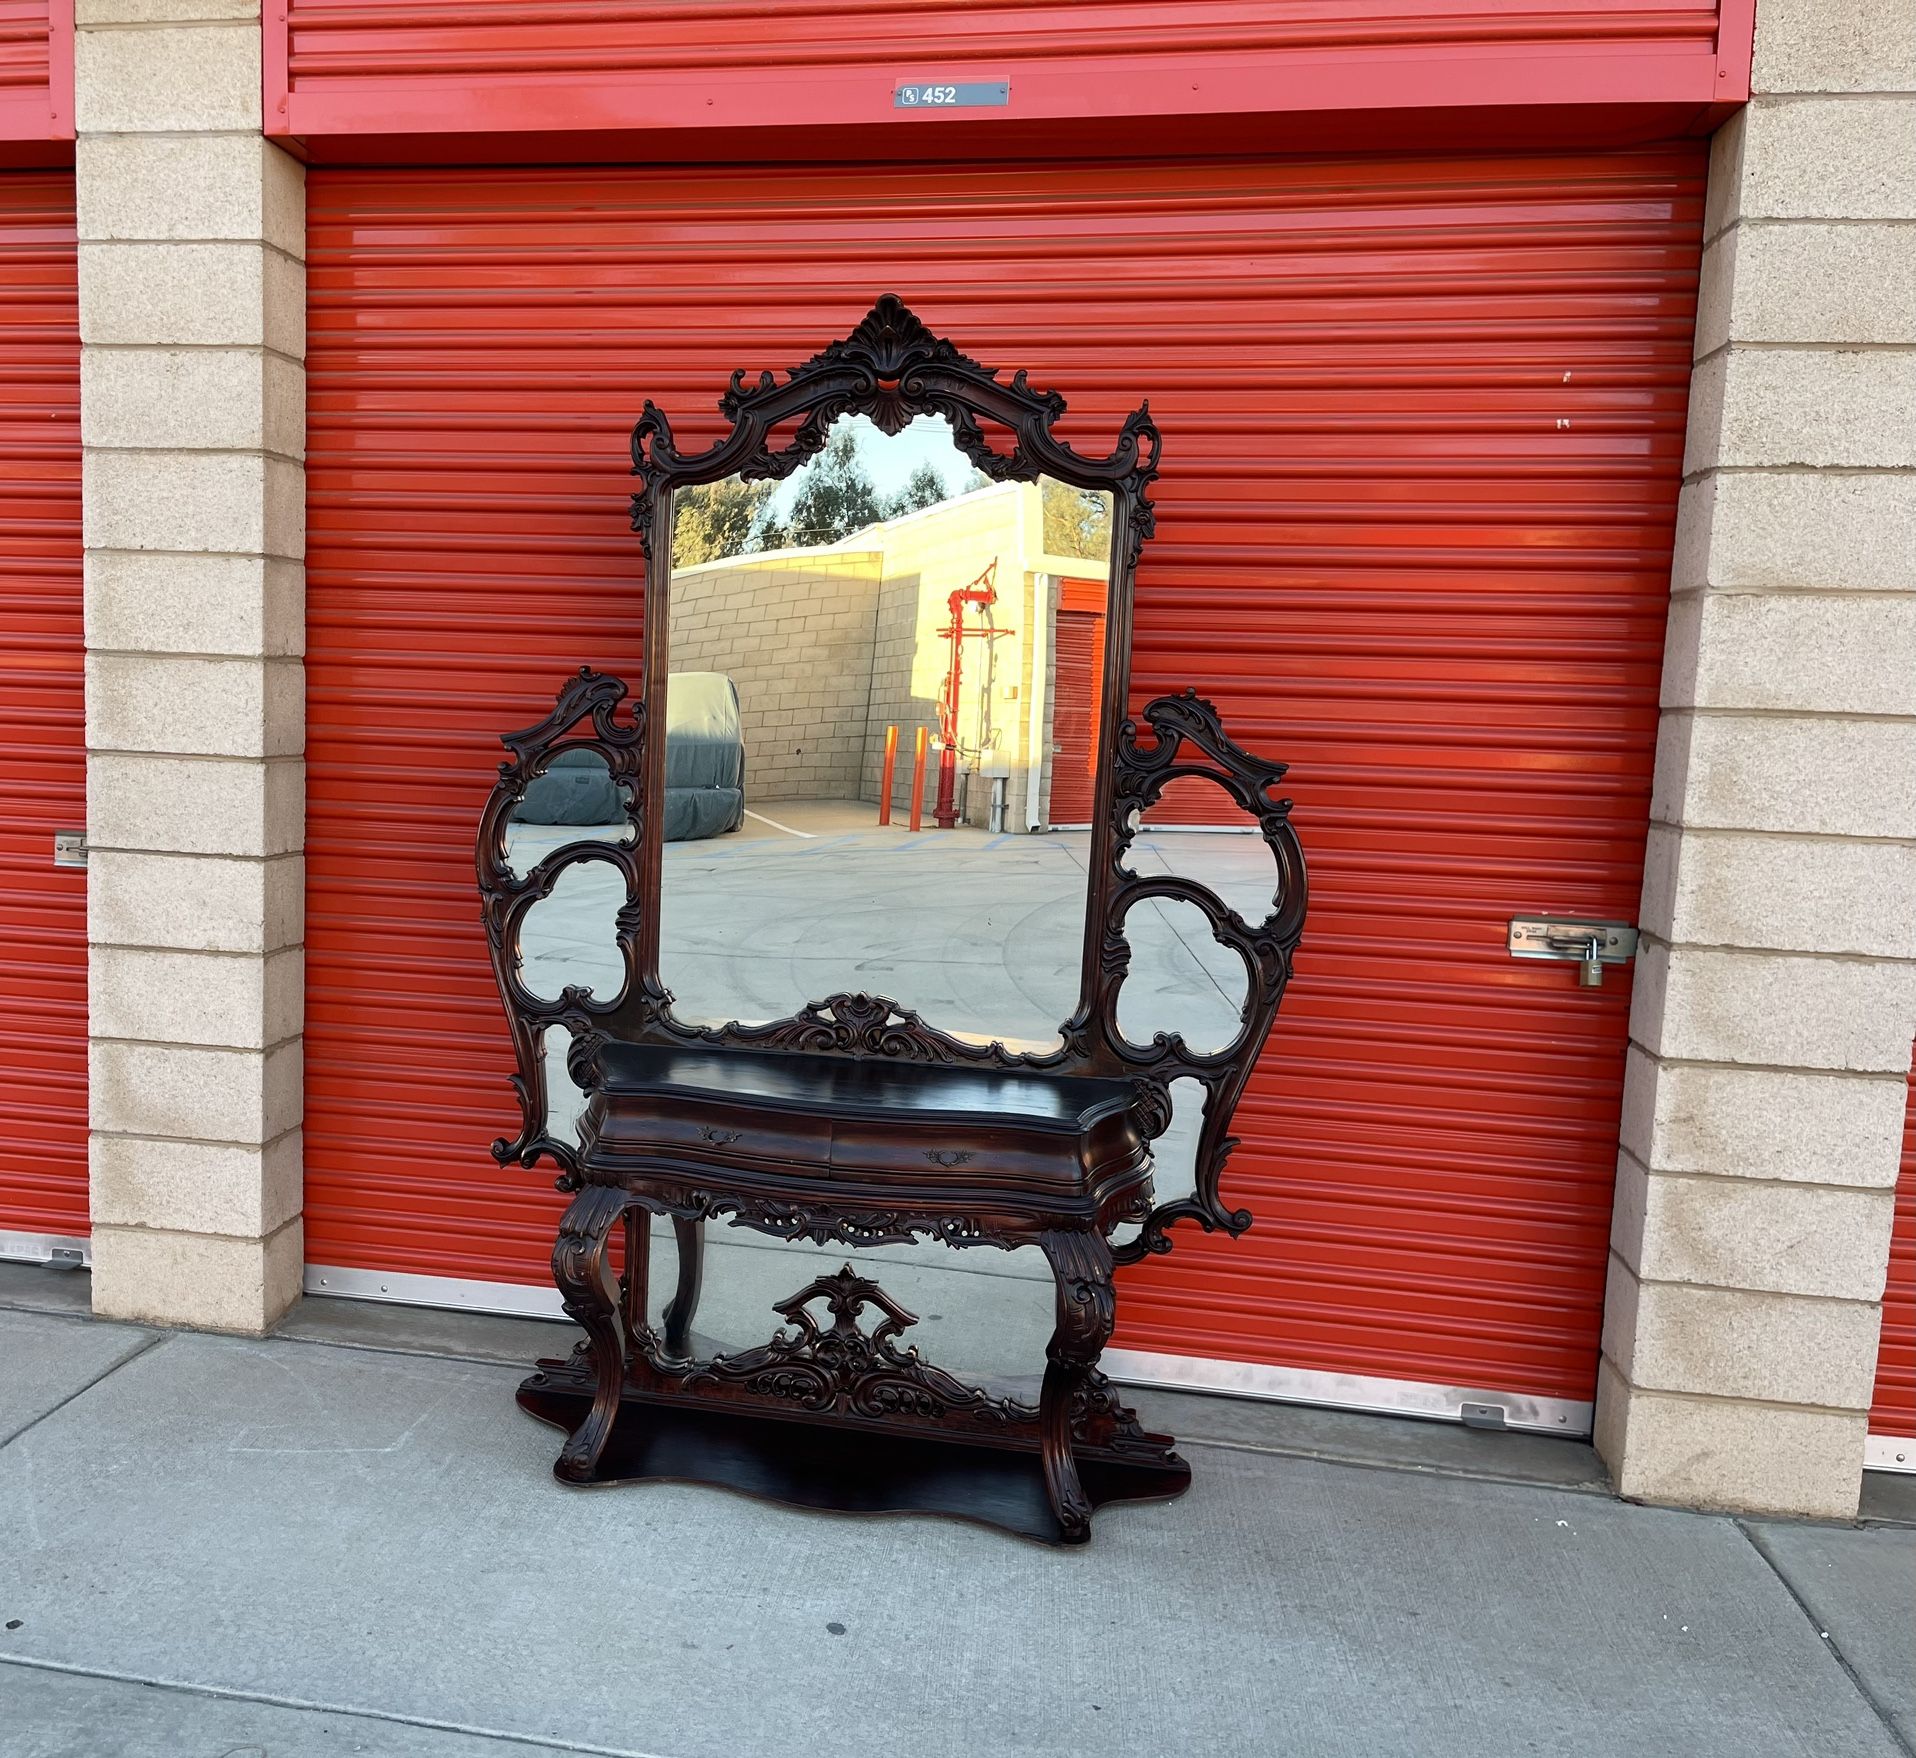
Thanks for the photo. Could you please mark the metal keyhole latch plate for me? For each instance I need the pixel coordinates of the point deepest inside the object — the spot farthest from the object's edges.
(1588, 945)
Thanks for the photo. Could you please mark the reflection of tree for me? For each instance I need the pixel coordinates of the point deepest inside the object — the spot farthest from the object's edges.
(1077, 521)
(715, 519)
(833, 497)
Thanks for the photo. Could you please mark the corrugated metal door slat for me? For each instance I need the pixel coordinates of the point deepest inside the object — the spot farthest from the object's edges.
(43, 1105)
(1079, 695)
(1894, 1408)
(1423, 429)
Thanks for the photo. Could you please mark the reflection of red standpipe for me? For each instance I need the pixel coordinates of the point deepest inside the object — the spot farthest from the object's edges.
(884, 780)
(983, 593)
(918, 782)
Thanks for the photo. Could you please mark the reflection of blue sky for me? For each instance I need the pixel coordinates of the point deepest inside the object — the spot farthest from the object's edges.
(890, 459)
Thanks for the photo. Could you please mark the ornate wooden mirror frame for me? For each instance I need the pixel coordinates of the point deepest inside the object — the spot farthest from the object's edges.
(892, 370)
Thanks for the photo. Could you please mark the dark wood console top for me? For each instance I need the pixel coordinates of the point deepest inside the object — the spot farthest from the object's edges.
(840, 1086)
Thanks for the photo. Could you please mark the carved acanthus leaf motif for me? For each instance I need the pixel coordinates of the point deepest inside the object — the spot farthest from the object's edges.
(857, 1024)
(826, 1223)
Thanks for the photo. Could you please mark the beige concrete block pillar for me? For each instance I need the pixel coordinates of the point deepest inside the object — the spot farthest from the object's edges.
(192, 319)
(1776, 995)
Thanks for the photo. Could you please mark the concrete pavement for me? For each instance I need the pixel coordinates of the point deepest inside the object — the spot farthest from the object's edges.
(346, 1539)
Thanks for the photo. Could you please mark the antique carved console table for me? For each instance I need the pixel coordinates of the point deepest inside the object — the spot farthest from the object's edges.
(799, 577)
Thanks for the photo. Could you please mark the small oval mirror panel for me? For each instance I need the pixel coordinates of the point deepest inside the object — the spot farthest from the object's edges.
(569, 938)
(1182, 979)
(1198, 832)
(573, 798)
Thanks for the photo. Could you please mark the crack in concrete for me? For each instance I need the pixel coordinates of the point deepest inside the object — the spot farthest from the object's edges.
(152, 1342)
(1827, 1640)
(306, 1705)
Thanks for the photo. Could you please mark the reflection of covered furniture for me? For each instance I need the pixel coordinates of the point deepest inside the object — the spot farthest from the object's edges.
(575, 789)
(704, 757)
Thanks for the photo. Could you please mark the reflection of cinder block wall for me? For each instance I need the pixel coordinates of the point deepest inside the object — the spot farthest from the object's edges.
(926, 556)
(794, 632)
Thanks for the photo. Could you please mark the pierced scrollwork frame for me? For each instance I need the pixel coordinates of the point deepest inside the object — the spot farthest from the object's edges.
(506, 896)
(893, 369)
(1189, 743)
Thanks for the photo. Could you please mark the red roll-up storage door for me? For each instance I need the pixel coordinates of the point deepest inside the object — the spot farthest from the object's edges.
(43, 1109)
(1423, 423)
(1892, 1417)
(1077, 699)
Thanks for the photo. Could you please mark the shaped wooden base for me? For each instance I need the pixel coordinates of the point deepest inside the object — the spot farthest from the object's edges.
(848, 1470)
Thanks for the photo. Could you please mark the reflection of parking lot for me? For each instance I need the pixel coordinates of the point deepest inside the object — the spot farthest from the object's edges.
(979, 933)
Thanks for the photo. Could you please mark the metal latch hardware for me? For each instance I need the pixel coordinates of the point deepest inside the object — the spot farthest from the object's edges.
(1482, 1416)
(66, 1257)
(69, 848)
(1590, 945)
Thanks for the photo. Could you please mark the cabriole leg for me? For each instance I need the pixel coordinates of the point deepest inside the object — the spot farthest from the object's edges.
(685, 1298)
(1087, 1310)
(582, 1268)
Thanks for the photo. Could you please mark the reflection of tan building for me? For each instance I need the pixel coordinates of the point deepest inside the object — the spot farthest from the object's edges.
(829, 647)
(793, 630)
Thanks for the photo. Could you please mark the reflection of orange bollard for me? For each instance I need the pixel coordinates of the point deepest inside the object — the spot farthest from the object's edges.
(884, 785)
(918, 781)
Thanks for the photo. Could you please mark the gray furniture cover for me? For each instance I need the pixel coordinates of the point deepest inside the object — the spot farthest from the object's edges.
(704, 768)
(704, 757)
(575, 789)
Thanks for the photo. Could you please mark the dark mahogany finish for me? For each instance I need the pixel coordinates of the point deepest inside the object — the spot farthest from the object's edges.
(854, 1120)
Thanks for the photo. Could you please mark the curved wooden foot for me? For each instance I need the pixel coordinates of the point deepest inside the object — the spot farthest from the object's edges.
(582, 1268)
(1087, 1311)
(685, 1297)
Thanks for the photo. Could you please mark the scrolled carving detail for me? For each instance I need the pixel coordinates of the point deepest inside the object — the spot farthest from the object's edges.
(825, 1223)
(1189, 740)
(857, 1024)
(505, 897)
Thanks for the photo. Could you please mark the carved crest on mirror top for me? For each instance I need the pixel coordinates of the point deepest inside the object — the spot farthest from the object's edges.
(892, 369)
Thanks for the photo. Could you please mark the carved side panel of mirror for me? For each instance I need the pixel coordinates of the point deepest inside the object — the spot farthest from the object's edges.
(559, 878)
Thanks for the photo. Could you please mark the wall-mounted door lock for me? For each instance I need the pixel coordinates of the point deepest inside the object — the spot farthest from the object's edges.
(1590, 945)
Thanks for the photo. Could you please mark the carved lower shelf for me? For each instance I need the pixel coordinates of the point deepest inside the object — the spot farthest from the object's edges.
(662, 1435)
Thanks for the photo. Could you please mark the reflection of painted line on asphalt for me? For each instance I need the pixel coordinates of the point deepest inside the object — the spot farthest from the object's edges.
(809, 836)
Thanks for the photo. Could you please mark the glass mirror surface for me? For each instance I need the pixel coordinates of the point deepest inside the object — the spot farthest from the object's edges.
(572, 799)
(570, 937)
(1199, 833)
(887, 598)
(1182, 978)
(565, 1103)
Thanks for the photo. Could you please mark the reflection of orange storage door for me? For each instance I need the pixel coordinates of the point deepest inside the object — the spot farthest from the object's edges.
(1892, 1419)
(1423, 429)
(1077, 697)
(43, 1173)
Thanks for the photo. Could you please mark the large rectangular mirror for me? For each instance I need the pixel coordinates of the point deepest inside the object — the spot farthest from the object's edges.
(886, 598)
